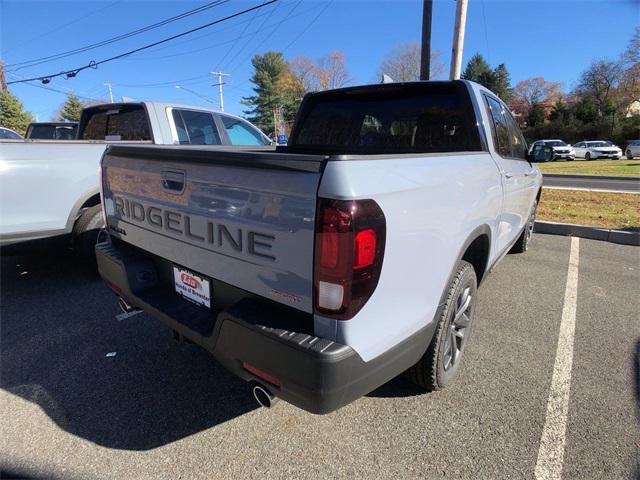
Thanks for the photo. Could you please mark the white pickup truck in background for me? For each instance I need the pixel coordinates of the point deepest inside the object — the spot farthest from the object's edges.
(50, 188)
(323, 269)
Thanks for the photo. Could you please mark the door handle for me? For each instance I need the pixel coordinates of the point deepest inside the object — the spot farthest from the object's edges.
(172, 180)
(529, 173)
(507, 174)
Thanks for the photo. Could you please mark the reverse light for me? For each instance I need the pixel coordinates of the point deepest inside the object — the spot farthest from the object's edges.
(350, 240)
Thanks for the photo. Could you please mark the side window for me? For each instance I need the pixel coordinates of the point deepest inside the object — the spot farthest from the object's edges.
(500, 128)
(183, 138)
(579, 145)
(241, 133)
(195, 128)
(518, 143)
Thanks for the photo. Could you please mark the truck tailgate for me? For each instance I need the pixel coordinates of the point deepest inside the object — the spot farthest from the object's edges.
(245, 218)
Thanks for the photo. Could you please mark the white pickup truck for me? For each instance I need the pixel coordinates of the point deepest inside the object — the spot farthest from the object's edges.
(50, 188)
(324, 269)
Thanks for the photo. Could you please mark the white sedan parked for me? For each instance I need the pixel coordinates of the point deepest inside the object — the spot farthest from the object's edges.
(597, 149)
(633, 149)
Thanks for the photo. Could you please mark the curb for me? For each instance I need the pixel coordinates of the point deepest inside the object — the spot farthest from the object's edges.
(589, 177)
(594, 233)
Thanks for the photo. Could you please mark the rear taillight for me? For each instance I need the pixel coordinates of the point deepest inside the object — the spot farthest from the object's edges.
(350, 239)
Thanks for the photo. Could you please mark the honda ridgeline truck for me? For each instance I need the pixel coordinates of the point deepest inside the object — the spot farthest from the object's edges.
(325, 268)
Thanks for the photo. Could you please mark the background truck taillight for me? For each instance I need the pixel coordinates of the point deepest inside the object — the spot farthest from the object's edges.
(349, 248)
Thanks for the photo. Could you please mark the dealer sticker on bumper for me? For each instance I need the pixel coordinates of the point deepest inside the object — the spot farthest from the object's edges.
(192, 286)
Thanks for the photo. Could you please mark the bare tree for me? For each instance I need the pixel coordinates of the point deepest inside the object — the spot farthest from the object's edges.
(333, 71)
(306, 71)
(534, 91)
(403, 63)
(631, 55)
(601, 82)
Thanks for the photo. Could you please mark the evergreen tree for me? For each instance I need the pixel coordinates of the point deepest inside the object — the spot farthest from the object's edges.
(478, 70)
(535, 116)
(560, 111)
(502, 83)
(71, 109)
(12, 114)
(586, 110)
(497, 80)
(269, 77)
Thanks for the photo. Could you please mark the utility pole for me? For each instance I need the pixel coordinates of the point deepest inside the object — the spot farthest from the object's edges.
(425, 49)
(109, 86)
(219, 85)
(458, 39)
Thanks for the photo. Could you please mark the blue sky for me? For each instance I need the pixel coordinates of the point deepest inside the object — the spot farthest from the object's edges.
(553, 39)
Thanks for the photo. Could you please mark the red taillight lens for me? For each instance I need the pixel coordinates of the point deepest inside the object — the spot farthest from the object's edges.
(350, 240)
(365, 249)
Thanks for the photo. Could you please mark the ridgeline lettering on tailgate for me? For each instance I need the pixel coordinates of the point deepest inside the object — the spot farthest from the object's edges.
(217, 234)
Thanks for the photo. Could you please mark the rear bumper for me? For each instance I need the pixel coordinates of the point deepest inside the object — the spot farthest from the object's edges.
(315, 374)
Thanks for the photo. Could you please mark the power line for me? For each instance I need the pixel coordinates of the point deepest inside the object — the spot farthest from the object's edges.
(161, 84)
(93, 64)
(215, 45)
(309, 25)
(304, 30)
(271, 12)
(57, 29)
(269, 35)
(50, 58)
(52, 89)
(233, 44)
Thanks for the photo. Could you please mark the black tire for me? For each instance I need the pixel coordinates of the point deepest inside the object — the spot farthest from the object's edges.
(437, 367)
(629, 155)
(587, 156)
(85, 233)
(524, 240)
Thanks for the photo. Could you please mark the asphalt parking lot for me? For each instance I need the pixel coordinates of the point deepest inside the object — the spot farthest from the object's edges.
(159, 409)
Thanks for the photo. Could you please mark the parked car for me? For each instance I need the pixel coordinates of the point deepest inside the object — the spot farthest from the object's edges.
(52, 130)
(597, 149)
(559, 149)
(50, 188)
(633, 149)
(7, 133)
(323, 269)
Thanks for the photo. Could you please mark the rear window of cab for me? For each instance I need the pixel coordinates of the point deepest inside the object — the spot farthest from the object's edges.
(399, 118)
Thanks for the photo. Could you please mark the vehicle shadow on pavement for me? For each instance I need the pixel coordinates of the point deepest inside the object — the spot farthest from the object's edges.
(58, 326)
(396, 388)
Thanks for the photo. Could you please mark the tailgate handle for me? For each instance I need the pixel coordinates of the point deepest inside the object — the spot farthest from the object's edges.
(172, 180)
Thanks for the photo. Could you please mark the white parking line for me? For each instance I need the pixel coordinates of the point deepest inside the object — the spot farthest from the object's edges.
(552, 442)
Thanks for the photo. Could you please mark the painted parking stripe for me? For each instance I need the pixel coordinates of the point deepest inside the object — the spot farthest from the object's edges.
(552, 442)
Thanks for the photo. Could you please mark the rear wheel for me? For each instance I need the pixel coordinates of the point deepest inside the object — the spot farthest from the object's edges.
(629, 154)
(85, 233)
(587, 156)
(522, 244)
(439, 365)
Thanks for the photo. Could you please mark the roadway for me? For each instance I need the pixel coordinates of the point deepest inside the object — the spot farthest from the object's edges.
(592, 182)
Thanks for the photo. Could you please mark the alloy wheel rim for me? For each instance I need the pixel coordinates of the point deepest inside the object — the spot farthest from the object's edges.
(458, 329)
(530, 225)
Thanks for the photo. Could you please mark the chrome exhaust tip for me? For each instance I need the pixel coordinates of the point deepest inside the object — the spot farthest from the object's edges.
(264, 397)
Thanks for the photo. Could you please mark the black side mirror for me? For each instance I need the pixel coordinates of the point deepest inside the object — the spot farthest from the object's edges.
(540, 153)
